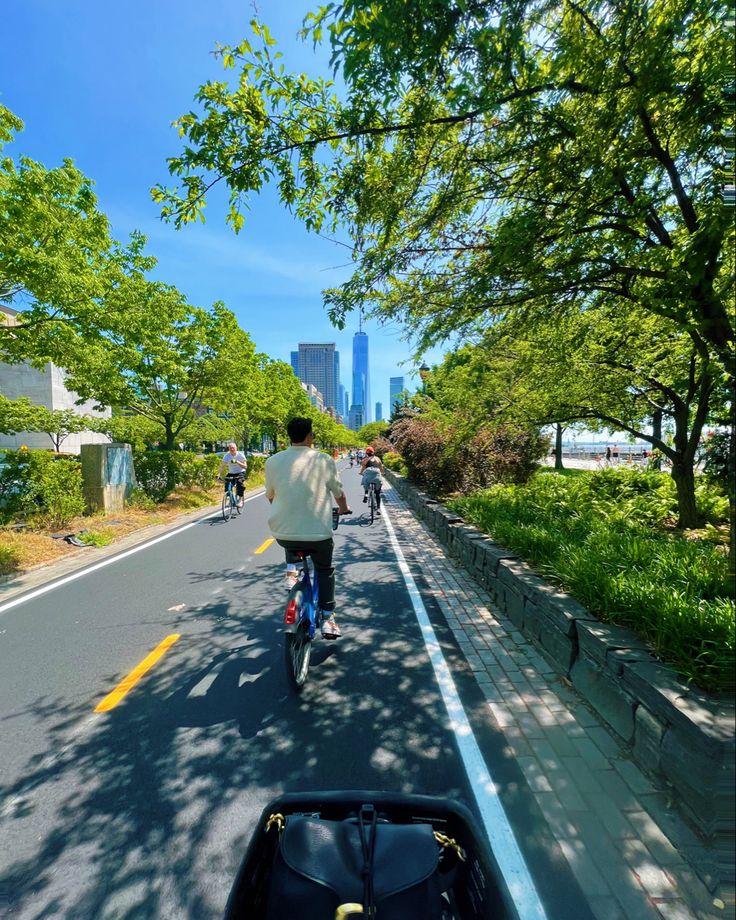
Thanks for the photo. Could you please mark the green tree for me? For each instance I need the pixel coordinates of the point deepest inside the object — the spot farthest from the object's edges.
(524, 158)
(23, 415)
(140, 432)
(278, 398)
(15, 415)
(59, 266)
(373, 430)
(603, 368)
(58, 424)
(165, 360)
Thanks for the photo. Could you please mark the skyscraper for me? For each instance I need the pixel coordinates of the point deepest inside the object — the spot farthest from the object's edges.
(396, 388)
(342, 398)
(295, 362)
(360, 406)
(317, 363)
(379, 412)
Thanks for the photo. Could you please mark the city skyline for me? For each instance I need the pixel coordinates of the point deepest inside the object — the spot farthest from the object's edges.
(311, 362)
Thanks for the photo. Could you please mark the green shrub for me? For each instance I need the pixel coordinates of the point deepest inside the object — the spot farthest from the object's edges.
(195, 472)
(256, 465)
(395, 462)
(156, 473)
(95, 538)
(594, 536)
(60, 492)
(9, 560)
(34, 484)
(139, 501)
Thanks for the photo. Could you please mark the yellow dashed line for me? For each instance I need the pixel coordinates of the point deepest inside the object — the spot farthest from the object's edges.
(112, 699)
(264, 546)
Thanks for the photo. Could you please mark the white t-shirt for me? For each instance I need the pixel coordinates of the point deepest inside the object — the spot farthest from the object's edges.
(302, 483)
(232, 465)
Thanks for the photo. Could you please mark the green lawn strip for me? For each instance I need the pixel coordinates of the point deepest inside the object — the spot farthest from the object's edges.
(603, 541)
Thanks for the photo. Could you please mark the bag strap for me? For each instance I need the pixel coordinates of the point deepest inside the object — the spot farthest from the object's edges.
(368, 818)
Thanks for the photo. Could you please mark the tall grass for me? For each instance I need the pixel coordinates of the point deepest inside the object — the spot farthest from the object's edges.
(601, 538)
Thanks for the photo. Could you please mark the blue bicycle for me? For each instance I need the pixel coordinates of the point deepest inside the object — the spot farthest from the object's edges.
(302, 619)
(230, 504)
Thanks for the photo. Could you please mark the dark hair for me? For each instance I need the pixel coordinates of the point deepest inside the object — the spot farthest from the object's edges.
(298, 429)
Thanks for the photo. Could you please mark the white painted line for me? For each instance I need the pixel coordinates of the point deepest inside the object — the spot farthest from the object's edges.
(500, 835)
(44, 589)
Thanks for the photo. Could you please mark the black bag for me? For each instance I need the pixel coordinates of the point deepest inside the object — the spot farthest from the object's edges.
(394, 871)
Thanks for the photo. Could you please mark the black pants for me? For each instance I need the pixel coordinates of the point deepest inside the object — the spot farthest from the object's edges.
(377, 486)
(320, 552)
(239, 480)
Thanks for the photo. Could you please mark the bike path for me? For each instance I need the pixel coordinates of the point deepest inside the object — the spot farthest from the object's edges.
(144, 811)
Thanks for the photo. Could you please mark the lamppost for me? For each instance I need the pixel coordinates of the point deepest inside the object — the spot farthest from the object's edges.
(424, 373)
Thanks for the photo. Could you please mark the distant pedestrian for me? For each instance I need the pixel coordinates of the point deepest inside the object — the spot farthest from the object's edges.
(608, 455)
(614, 454)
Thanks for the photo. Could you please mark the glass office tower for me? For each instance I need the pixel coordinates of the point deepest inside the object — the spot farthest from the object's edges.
(319, 364)
(360, 408)
(396, 388)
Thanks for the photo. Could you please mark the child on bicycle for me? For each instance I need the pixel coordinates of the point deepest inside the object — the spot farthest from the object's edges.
(371, 469)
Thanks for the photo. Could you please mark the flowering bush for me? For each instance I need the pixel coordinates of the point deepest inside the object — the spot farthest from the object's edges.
(382, 446)
(444, 458)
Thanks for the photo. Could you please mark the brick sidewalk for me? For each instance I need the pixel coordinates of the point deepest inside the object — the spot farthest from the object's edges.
(606, 815)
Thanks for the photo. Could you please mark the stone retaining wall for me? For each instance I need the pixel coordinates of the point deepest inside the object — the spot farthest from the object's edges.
(674, 732)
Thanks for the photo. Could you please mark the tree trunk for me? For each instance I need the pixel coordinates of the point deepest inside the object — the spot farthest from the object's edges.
(169, 442)
(683, 473)
(558, 447)
(657, 433)
(731, 488)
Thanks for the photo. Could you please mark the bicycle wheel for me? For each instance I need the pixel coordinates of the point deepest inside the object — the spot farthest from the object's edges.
(297, 652)
(227, 505)
(372, 502)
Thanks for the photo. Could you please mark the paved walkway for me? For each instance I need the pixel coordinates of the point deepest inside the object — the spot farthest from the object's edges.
(611, 822)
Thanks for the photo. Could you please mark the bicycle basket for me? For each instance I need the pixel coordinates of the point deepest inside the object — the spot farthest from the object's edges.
(309, 860)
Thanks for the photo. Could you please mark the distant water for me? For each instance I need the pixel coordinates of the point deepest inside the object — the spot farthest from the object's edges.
(600, 446)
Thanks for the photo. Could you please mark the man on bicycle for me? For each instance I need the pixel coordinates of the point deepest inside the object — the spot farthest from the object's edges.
(371, 469)
(301, 484)
(234, 465)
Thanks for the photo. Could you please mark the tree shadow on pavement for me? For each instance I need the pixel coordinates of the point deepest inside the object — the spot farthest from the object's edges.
(147, 809)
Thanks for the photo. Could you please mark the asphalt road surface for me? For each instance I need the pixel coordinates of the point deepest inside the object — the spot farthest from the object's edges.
(145, 810)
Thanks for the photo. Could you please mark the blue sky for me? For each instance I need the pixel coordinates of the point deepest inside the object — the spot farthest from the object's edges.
(101, 83)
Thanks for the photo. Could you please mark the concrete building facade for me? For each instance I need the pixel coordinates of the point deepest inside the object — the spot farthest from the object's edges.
(44, 387)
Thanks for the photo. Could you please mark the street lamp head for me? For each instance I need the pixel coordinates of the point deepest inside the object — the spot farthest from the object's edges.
(424, 372)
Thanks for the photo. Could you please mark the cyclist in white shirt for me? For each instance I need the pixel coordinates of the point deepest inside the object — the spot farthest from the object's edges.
(234, 465)
(301, 484)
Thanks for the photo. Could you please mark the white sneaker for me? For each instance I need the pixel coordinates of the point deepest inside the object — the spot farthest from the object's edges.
(290, 579)
(330, 629)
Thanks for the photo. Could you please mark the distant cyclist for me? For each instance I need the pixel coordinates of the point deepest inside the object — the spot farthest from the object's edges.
(301, 484)
(234, 466)
(371, 469)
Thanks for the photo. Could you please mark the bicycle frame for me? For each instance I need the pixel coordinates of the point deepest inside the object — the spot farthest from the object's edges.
(309, 609)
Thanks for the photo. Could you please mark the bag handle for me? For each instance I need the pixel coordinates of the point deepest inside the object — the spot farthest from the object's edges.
(347, 910)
